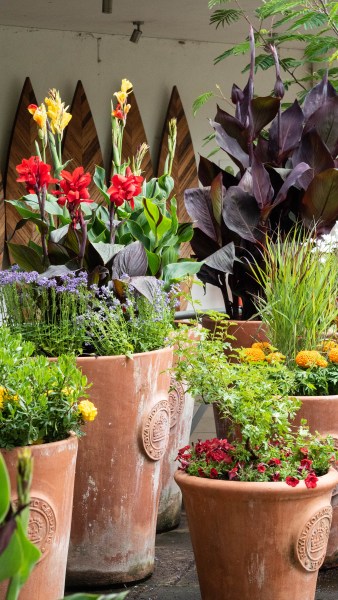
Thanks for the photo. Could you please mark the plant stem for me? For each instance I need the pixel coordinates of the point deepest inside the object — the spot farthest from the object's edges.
(112, 228)
(42, 200)
(83, 226)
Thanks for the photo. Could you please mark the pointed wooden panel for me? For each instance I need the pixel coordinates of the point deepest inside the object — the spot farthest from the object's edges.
(22, 145)
(80, 142)
(184, 170)
(2, 223)
(134, 135)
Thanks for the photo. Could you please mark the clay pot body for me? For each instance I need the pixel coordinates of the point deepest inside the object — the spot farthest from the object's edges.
(118, 474)
(181, 413)
(321, 413)
(257, 540)
(50, 514)
(245, 332)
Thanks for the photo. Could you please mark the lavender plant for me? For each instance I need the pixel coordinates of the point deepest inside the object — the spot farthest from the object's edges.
(45, 310)
(132, 323)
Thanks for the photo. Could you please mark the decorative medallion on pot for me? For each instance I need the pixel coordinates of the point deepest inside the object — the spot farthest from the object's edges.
(176, 401)
(312, 543)
(155, 432)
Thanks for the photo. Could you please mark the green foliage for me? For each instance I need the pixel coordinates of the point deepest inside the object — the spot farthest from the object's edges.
(300, 286)
(313, 23)
(39, 399)
(17, 554)
(83, 596)
(255, 400)
(200, 101)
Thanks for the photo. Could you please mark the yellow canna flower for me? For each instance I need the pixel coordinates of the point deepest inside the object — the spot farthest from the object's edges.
(87, 410)
(40, 116)
(126, 85)
(126, 109)
(121, 97)
(57, 112)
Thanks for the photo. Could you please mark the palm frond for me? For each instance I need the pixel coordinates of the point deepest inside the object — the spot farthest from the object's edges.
(234, 51)
(225, 16)
(200, 101)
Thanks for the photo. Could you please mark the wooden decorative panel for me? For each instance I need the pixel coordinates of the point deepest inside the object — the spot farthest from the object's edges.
(80, 142)
(22, 145)
(2, 223)
(184, 170)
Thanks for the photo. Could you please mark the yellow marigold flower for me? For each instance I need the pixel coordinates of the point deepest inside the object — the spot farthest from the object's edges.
(87, 410)
(252, 354)
(3, 394)
(265, 346)
(328, 345)
(310, 358)
(121, 97)
(126, 85)
(333, 355)
(274, 357)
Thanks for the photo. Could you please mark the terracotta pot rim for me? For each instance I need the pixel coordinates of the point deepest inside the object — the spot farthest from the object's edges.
(264, 488)
(329, 397)
(71, 437)
(122, 356)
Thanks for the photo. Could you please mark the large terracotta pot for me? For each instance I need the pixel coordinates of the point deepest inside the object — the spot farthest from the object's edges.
(245, 332)
(321, 413)
(118, 474)
(261, 541)
(181, 413)
(50, 514)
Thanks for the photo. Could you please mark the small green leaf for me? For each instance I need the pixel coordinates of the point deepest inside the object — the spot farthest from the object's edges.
(200, 101)
(175, 272)
(154, 262)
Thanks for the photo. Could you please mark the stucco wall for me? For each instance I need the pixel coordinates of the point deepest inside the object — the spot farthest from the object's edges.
(59, 58)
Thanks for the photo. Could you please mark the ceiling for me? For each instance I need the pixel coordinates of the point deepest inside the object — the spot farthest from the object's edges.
(165, 19)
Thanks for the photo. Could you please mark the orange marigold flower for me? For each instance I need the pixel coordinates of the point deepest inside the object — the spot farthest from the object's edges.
(333, 355)
(252, 354)
(310, 358)
(328, 345)
(262, 345)
(274, 357)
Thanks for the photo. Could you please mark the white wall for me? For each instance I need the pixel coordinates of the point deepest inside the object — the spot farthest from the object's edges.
(58, 59)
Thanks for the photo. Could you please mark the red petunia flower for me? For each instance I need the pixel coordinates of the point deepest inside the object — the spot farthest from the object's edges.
(261, 468)
(306, 464)
(293, 481)
(35, 174)
(276, 476)
(125, 188)
(275, 461)
(311, 480)
(213, 473)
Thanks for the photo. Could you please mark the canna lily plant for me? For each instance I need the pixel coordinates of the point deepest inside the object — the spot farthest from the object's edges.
(130, 231)
(286, 172)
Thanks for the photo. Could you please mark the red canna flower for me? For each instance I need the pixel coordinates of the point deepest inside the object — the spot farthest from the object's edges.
(118, 112)
(125, 188)
(35, 174)
(74, 190)
(311, 480)
(293, 481)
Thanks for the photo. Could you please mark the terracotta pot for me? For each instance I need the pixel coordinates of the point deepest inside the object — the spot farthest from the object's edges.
(261, 541)
(245, 332)
(50, 514)
(118, 474)
(321, 413)
(181, 413)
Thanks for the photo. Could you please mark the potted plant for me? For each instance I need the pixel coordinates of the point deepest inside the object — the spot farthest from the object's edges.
(43, 407)
(303, 329)
(281, 177)
(129, 247)
(258, 506)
